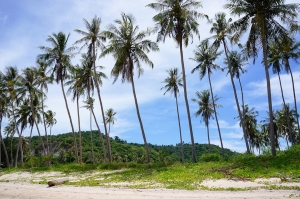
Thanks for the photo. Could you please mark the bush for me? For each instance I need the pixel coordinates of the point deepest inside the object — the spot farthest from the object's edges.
(215, 157)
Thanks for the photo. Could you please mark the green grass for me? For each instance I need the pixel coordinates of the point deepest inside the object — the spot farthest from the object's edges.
(188, 176)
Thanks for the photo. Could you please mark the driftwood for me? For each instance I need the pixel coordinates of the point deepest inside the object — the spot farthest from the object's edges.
(57, 181)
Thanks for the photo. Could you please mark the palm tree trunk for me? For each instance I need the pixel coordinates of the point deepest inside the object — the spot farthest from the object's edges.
(243, 105)
(79, 131)
(102, 110)
(265, 55)
(216, 115)
(285, 112)
(140, 120)
(93, 157)
(182, 153)
(187, 103)
(3, 145)
(295, 101)
(44, 121)
(207, 129)
(236, 100)
(100, 134)
(70, 118)
(11, 150)
(17, 129)
(19, 147)
(30, 146)
(37, 126)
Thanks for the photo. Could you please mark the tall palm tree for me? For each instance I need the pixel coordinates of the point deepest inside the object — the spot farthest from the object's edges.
(60, 56)
(288, 49)
(93, 39)
(172, 84)
(205, 55)
(274, 61)
(110, 120)
(30, 85)
(11, 86)
(178, 20)
(50, 120)
(221, 28)
(3, 111)
(44, 80)
(260, 17)
(206, 108)
(129, 48)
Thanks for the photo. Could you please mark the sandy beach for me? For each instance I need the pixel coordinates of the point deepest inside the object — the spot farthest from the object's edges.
(20, 190)
(19, 185)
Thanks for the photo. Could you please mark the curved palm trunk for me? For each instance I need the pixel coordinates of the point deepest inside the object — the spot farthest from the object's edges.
(140, 120)
(243, 105)
(79, 131)
(285, 112)
(182, 153)
(11, 150)
(44, 121)
(70, 118)
(265, 55)
(236, 100)
(295, 101)
(3, 144)
(17, 129)
(101, 138)
(187, 103)
(102, 110)
(216, 115)
(37, 126)
(19, 147)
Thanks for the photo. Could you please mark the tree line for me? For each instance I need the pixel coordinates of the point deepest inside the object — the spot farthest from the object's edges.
(270, 27)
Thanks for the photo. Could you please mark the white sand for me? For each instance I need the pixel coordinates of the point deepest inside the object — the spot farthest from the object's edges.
(20, 190)
(17, 185)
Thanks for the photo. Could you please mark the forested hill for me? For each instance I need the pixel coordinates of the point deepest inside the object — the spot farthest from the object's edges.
(62, 146)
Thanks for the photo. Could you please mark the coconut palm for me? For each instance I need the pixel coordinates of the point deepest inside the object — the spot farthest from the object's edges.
(129, 48)
(206, 108)
(285, 50)
(221, 28)
(90, 106)
(178, 20)
(60, 56)
(30, 83)
(172, 84)
(93, 39)
(3, 111)
(260, 17)
(10, 131)
(274, 61)
(205, 55)
(44, 79)
(50, 120)
(110, 120)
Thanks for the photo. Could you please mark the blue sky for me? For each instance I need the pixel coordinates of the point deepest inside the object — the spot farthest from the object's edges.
(25, 25)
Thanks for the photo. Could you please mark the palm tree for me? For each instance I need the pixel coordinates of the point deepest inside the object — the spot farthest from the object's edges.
(274, 61)
(221, 28)
(260, 17)
(205, 55)
(11, 86)
(287, 49)
(10, 131)
(44, 79)
(206, 108)
(30, 82)
(60, 56)
(3, 111)
(178, 19)
(129, 48)
(172, 83)
(110, 119)
(50, 120)
(94, 39)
